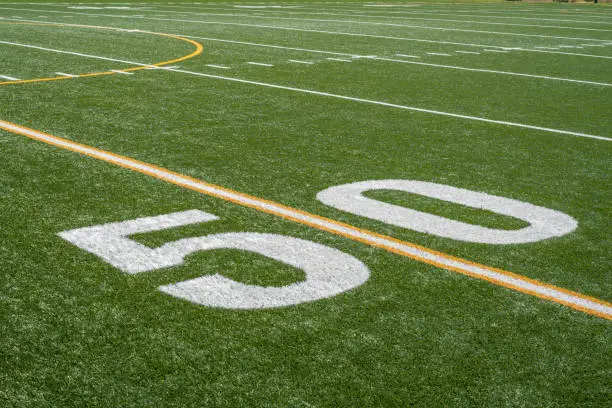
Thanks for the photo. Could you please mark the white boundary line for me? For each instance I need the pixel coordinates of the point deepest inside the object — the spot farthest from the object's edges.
(307, 20)
(343, 97)
(489, 71)
(385, 37)
(378, 14)
(260, 64)
(392, 105)
(286, 12)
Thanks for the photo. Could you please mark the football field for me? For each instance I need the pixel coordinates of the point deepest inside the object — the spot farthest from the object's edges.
(333, 204)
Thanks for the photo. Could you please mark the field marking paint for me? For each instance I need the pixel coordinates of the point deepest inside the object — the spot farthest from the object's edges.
(381, 24)
(543, 223)
(261, 64)
(338, 59)
(393, 105)
(468, 52)
(217, 66)
(301, 62)
(67, 75)
(376, 13)
(438, 53)
(570, 53)
(387, 25)
(10, 78)
(116, 71)
(356, 35)
(490, 71)
(328, 271)
(453, 13)
(487, 50)
(574, 300)
(198, 50)
(386, 13)
(163, 66)
(378, 16)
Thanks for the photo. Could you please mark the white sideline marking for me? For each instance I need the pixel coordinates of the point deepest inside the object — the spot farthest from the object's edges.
(217, 66)
(571, 299)
(261, 64)
(338, 59)
(438, 53)
(322, 31)
(9, 78)
(571, 53)
(79, 55)
(487, 50)
(375, 24)
(349, 34)
(116, 71)
(407, 56)
(416, 109)
(490, 71)
(326, 52)
(396, 17)
(67, 75)
(392, 105)
(377, 14)
(301, 62)
(468, 52)
(154, 66)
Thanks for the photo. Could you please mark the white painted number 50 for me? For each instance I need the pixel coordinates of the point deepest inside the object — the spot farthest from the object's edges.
(328, 271)
(544, 223)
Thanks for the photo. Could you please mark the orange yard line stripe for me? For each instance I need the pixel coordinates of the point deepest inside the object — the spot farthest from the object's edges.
(574, 300)
(198, 50)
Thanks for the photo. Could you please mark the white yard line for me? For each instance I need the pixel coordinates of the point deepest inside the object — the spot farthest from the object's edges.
(78, 54)
(387, 16)
(301, 62)
(438, 53)
(468, 52)
(349, 98)
(535, 76)
(317, 20)
(396, 106)
(116, 71)
(9, 78)
(67, 75)
(338, 59)
(217, 66)
(407, 56)
(356, 35)
(261, 64)
(391, 14)
(569, 53)
(392, 25)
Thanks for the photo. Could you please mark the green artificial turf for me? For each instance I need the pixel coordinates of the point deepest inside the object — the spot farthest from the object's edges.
(75, 331)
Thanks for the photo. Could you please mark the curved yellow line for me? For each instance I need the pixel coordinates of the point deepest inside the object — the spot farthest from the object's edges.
(199, 49)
